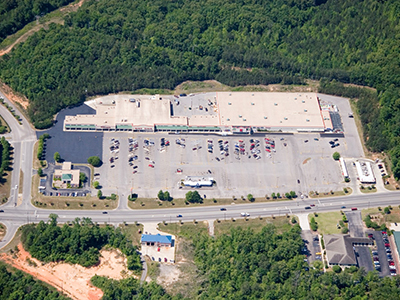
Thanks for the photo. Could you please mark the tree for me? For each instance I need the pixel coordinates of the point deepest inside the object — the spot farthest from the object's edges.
(95, 161)
(57, 157)
(336, 155)
(313, 224)
(278, 195)
(273, 196)
(40, 172)
(386, 210)
(96, 184)
(293, 194)
(82, 177)
(336, 269)
(250, 197)
(167, 196)
(160, 195)
(193, 197)
(99, 194)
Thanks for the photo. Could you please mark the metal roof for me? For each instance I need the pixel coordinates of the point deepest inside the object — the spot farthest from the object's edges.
(157, 238)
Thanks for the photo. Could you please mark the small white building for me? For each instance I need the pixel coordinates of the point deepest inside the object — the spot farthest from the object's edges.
(365, 173)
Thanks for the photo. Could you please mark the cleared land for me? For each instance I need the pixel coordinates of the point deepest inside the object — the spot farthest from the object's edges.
(73, 280)
(224, 226)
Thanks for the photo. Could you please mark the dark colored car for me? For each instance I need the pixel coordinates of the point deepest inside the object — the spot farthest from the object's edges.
(179, 216)
(222, 209)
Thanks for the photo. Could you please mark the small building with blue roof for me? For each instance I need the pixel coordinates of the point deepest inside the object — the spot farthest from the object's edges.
(156, 240)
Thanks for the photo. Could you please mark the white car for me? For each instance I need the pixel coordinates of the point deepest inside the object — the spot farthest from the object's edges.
(245, 214)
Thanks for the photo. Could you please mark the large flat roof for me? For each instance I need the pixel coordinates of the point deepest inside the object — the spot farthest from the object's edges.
(274, 111)
(263, 109)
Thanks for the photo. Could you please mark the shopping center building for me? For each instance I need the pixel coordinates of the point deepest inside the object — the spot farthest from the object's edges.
(221, 112)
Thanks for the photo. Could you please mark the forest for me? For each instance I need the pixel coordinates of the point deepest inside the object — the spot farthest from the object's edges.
(243, 264)
(17, 285)
(111, 46)
(15, 14)
(76, 244)
(267, 265)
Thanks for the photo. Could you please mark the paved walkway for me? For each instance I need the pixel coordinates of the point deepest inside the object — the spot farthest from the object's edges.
(210, 227)
(303, 221)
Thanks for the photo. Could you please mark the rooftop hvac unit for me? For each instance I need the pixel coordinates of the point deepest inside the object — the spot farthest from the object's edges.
(228, 119)
(305, 110)
(244, 119)
(252, 103)
(229, 103)
(240, 116)
(252, 94)
(303, 101)
(295, 98)
(307, 120)
(265, 117)
(276, 104)
(285, 118)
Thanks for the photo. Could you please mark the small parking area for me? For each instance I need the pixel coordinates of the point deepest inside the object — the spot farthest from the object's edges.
(382, 255)
(76, 147)
(259, 164)
(67, 192)
(312, 248)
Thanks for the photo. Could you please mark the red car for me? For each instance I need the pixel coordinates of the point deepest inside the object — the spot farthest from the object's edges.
(268, 150)
(391, 263)
(151, 166)
(387, 245)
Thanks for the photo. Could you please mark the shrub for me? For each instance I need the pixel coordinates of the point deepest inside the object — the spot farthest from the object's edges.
(313, 224)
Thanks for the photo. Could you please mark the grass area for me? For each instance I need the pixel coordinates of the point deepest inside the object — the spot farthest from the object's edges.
(152, 203)
(133, 232)
(5, 185)
(77, 203)
(3, 230)
(21, 182)
(5, 124)
(222, 227)
(188, 229)
(312, 194)
(153, 268)
(327, 222)
(367, 190)
(13, 243)
(380, 217)
(36, 162)
(213, 86)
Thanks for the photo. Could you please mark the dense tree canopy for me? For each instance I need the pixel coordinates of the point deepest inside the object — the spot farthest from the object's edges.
(15, 14)
(267, 265)
(109, 46)
(79, 244)
(17, 285)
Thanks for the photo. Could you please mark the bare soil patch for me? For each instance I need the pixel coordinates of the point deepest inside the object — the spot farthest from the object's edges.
(73, 280)
(12, 96)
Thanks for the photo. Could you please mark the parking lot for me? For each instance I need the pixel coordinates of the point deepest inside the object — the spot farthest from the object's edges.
(258, 164)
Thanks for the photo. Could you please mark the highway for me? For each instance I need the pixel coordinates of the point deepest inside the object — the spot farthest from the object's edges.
(22, 138)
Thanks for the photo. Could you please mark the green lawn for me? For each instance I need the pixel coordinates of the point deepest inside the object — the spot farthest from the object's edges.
(224, 226)
(327, 222)
(188, 230)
